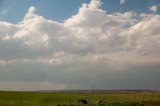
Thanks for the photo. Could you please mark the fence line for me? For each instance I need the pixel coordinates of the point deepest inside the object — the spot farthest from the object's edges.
(91, 100)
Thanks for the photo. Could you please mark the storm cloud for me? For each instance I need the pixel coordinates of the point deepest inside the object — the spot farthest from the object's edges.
(110, 50)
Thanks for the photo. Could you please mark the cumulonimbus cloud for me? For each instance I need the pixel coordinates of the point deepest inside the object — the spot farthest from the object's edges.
(91, 31)
(92, 36)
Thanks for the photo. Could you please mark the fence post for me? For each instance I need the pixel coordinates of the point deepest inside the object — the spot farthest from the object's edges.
(114, 99)
(21, 100)
(158, 100)
(70, 100)
(143, 98)
(125, 99)
(89, 100)
(47, 102)
(104, 100)
(135, 96)
(59, 101)
(151, 98)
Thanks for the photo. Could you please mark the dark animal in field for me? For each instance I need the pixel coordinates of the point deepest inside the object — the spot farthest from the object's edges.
(82, 101)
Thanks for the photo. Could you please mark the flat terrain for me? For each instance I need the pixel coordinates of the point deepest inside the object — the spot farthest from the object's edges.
(10, 98)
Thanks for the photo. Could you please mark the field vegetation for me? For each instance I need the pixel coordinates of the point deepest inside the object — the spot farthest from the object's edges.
(10, 98)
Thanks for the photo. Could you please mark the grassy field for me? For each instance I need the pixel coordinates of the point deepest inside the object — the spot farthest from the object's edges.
(68, 99)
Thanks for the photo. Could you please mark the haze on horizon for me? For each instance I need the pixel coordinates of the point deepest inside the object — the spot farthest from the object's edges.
(60, 45)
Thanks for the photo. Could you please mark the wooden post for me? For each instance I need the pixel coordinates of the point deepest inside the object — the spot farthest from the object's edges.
(151, 98)
(21, 100)
(158, 100)
(125, 99)
(70, 100)
(47, 102)
(58, 101)
(114, 99)
(89, 101)
(143, 98)
(135, 98)
(103, 100)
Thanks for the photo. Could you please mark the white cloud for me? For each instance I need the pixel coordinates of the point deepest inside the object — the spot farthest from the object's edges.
(91, 31)
(153, 8)
(90, 40)
(122, 1)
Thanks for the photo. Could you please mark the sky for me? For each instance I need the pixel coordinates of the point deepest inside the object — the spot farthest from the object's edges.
(75, 44)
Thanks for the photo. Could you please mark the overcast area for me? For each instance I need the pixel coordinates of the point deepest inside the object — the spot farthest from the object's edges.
(110, 50)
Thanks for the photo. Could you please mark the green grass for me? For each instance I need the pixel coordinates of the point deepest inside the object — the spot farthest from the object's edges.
(52, 99)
